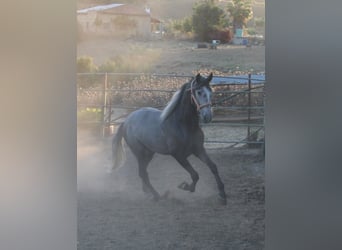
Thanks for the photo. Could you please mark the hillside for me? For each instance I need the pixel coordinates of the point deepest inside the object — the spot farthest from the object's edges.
(172, 56)
(170, 9)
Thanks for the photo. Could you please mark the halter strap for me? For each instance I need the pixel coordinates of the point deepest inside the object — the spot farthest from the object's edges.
(193, 98)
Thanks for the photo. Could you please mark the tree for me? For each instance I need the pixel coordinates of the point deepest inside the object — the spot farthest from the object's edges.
(240, 11)
(206, 18)
(187, 24)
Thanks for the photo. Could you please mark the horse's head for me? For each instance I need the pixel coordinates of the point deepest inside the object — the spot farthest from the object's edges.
(201, 96)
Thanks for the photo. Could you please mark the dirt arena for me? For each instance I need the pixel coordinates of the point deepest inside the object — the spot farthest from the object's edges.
(114, 213)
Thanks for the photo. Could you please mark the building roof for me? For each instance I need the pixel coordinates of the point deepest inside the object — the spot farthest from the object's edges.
(99, 8)
(155, 20)
(128, 9)
(117, 8)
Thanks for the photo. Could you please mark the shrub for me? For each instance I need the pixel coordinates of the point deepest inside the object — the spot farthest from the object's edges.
(108, 66)
(224, 35)
(85, 64)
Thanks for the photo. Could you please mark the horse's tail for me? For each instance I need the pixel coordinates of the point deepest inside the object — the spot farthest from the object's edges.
(118, 152)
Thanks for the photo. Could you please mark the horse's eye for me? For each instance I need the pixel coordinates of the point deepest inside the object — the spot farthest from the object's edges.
(199, 92)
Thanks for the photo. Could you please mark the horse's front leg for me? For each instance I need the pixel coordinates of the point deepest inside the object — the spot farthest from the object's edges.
(203, 156)
(194, 175)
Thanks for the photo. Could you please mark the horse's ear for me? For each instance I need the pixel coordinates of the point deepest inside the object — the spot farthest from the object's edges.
(210, 77)
(198, 77)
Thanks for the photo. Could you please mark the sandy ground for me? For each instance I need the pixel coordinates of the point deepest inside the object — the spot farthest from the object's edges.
(184, 57)
(114, 213)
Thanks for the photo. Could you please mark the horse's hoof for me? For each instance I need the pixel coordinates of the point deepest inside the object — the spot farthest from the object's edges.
(166, 195)
(156, 198)
(222, 200)
(184, 186)
(145, 189)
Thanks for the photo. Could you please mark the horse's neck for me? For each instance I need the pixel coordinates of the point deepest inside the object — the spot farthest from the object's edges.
(185, 114)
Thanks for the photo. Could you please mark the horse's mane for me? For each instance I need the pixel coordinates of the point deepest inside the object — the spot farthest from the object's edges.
(172, 104)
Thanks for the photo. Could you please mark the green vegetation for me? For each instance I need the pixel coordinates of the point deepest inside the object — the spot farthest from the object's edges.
(109, 66)
(137, 60)
(89, 115)
(209, 18)
(240, 11)
(85, 64)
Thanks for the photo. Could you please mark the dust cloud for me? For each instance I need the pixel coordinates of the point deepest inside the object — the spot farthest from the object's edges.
(94, 175)
(94, 164)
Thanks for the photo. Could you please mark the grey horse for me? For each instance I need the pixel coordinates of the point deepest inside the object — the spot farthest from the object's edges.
(173, 131)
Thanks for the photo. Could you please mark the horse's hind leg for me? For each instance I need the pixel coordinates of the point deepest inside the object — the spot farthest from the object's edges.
(143, 161)
(194, 175)
(203, 156)
(143, 156)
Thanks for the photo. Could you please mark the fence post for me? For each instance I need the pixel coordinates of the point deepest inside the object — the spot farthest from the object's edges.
(109, 111)
(249, 106)
(104, 94)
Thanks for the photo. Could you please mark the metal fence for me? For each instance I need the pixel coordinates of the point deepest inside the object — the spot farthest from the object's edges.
(105, 99)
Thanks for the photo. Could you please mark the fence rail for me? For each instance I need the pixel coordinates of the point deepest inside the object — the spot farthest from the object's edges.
(99, 94)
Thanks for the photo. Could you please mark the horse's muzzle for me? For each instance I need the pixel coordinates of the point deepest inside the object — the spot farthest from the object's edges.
(206, 115)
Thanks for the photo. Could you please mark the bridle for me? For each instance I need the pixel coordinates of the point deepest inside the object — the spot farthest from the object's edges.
(193, 98)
